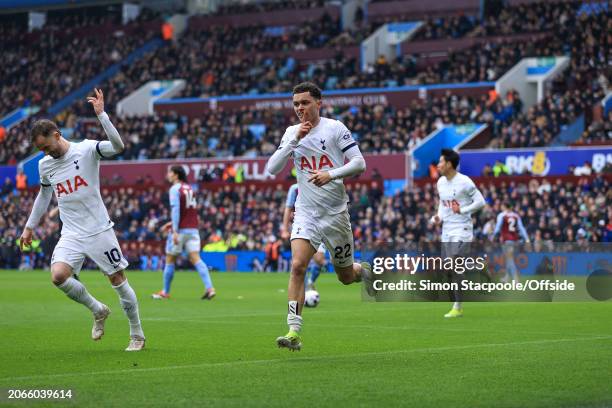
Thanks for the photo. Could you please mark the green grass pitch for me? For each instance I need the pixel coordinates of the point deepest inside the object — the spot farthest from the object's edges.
(222, 352)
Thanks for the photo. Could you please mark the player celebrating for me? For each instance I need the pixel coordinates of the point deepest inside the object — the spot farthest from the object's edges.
(319, 147)
(185, 234)
(318, 260)
(72, 171)
(508, 222)
(459, 198)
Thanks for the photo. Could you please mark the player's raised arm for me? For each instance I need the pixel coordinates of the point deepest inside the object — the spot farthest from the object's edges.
(38, 210)
(279, 159)
(115, 144)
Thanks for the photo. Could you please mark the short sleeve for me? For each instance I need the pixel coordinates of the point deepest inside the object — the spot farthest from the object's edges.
(344, 138)
(174, 194)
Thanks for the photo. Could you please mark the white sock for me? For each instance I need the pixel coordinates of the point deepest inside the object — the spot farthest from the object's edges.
(76, 291)
(457, 305)
(294, 320)
(129, 303)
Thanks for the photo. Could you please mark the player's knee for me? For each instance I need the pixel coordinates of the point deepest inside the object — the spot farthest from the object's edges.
(298, 267)
(319, 258)
(346, 279)
(117, 278)
(194, 258)
(59, 275)
(58, 278)
(345, 275)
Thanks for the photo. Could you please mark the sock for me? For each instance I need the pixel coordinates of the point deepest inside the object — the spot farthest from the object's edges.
(457, 305)
(511, 269)
(294, 320)
(314, 273)
(204, 274)
(76, 291)
(168, 276)
(310, 273)
(129, 303)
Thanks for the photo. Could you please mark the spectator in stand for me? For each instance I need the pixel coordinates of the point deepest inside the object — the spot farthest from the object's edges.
(7, 187)
(487, 171)
(21, 181)
(247, 215)
(500, 169)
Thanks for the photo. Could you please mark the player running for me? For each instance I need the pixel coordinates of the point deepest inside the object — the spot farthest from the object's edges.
(184, 233)
(510, 225)
(459, 199)
(318, 260)
(72, 171)
(319, 147)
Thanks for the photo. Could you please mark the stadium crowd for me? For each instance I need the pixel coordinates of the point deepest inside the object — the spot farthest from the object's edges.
(257, 132)
(246, 217)
(263, 6)
(588, 46)
(25, 79)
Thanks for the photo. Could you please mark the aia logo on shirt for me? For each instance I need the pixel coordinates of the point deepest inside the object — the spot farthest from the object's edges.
(312, 164)
(68, 187)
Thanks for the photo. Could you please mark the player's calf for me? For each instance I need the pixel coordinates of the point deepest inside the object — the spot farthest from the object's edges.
(349, 274)
(61, 276)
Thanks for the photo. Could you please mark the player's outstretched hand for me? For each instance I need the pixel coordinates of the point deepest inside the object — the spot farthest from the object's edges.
(304, 129)
(319, 178)
(167, 226)
(25, 239)
(97, 101)
(435, 220)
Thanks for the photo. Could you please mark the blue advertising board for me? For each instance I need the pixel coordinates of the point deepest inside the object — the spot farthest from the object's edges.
(448, 137)
(539, 162)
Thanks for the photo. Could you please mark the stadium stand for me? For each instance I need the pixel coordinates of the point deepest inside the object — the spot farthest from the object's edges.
(244, 216)
(221, 75)
(72, 45)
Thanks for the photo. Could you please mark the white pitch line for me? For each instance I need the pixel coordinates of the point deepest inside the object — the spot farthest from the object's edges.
(371, 326)
(313, 358)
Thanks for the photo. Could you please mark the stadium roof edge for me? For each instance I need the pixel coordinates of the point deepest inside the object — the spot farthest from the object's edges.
(20, 6)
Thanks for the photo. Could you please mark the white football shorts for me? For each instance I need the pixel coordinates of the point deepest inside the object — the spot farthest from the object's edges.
(333, 231)
(102, 248)
(188, 240)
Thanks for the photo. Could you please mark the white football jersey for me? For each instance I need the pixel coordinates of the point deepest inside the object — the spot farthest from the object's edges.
(75, 178)
(322, 149)
(463, 190)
